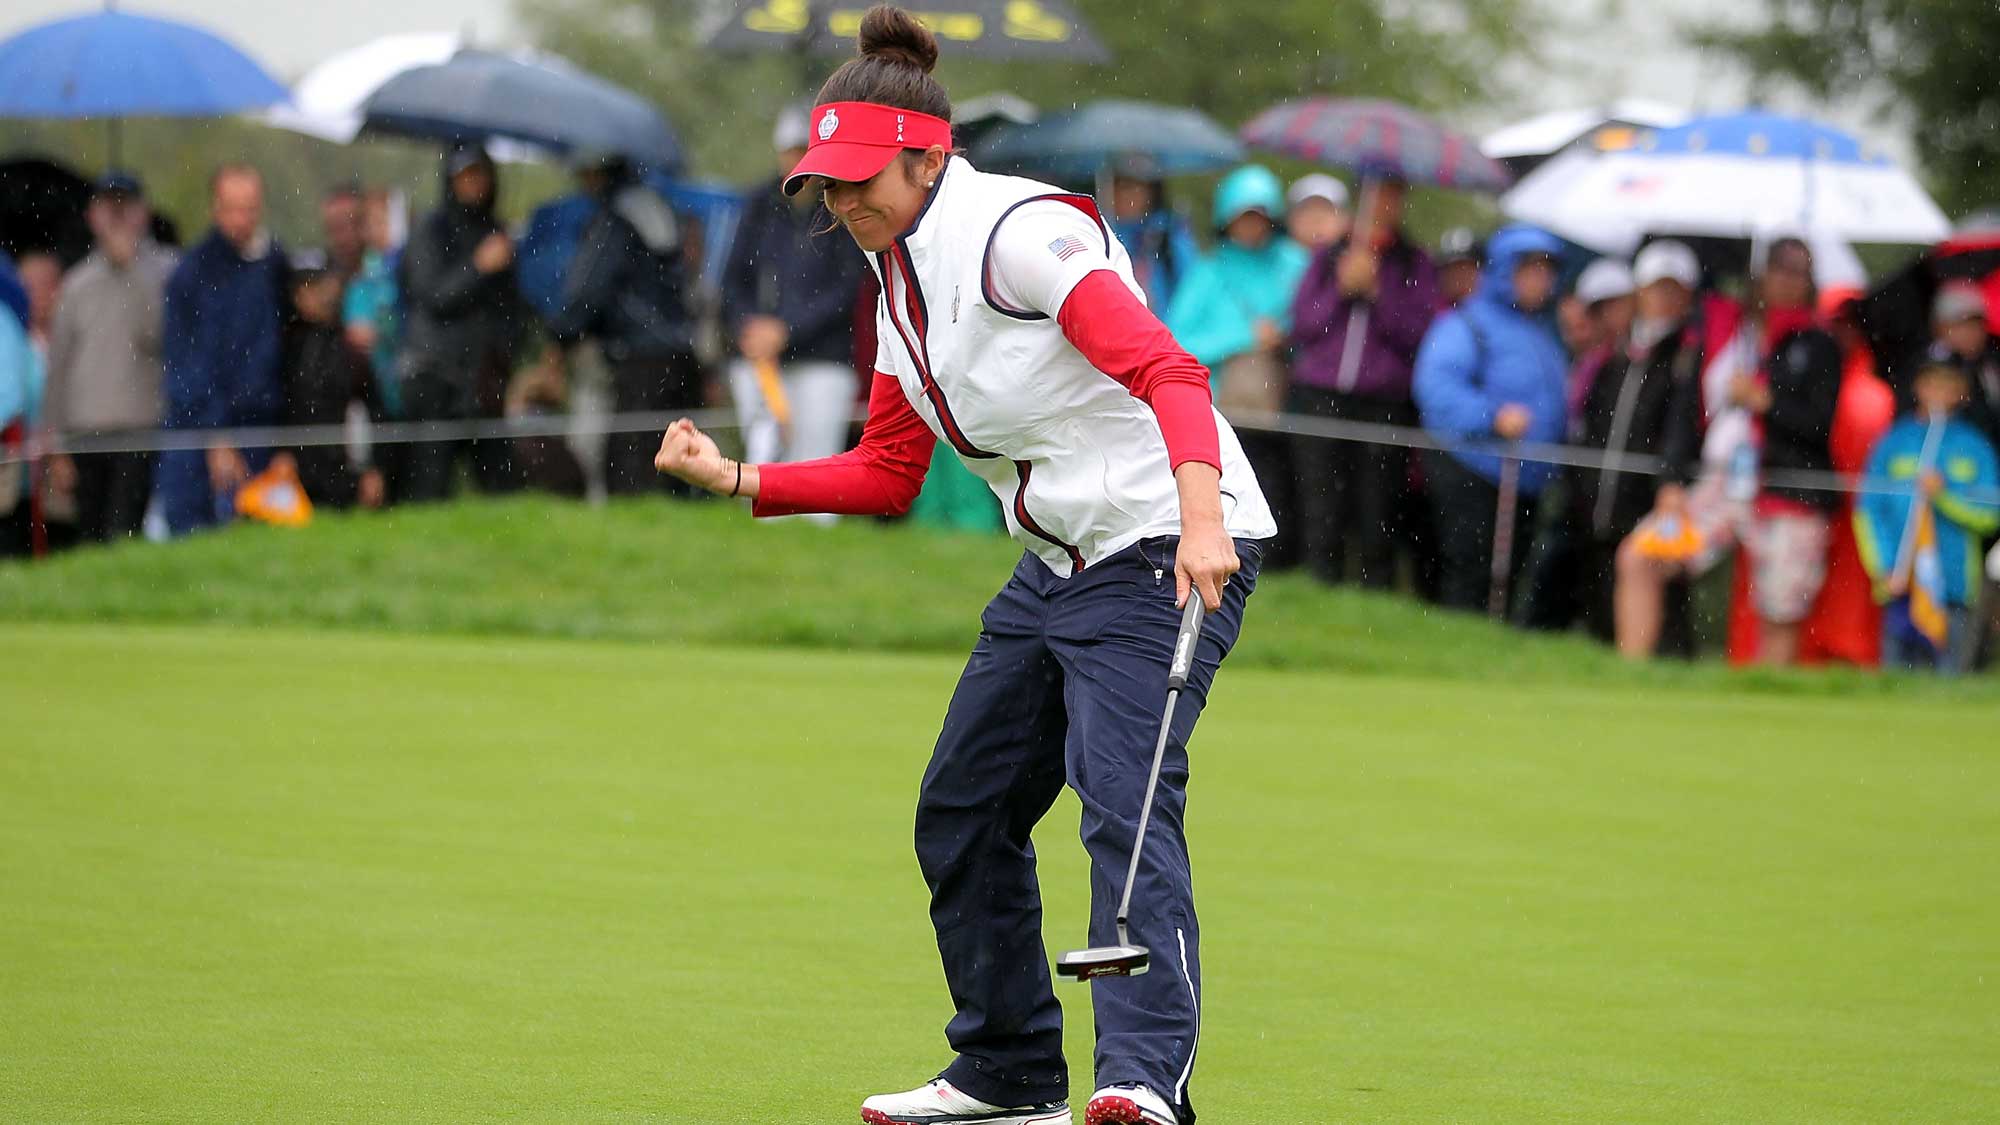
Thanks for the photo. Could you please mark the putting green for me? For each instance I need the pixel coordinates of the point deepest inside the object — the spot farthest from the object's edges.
(257, 874)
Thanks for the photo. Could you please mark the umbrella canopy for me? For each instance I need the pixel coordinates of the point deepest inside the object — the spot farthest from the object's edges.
(1025, 30)
(41, 208)
(1379, 139)
(1896, 315)
(1984, 220)
(1524, 145)
(327, 102)
(116, 64)
(544, 101)
(1744, 175)
(1081, 143)
(974, 119)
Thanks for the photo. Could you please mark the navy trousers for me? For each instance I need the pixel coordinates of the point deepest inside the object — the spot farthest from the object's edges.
(1067, 686)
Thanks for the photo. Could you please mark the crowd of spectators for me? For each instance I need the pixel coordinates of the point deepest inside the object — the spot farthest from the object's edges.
(1705, 426)
(1306, 303)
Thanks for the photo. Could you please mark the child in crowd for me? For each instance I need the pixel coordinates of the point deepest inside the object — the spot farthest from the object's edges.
(324, 377)
(1931, 497)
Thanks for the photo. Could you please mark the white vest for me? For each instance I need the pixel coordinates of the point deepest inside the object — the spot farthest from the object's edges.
(1079, 464)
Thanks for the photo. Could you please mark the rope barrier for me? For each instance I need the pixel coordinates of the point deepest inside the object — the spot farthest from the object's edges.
(724, 419)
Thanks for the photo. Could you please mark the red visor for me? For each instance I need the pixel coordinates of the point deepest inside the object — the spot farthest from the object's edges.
(852, 141)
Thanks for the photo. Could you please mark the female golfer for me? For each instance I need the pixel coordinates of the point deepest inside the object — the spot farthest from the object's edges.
(1011, 328)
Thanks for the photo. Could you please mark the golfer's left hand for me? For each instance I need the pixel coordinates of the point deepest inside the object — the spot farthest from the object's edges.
(1206, 559)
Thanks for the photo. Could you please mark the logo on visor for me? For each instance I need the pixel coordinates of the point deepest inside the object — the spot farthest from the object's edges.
(899, 128)
(828, 124)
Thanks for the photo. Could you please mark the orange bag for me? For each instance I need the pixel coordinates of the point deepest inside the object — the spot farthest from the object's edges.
(275, 496)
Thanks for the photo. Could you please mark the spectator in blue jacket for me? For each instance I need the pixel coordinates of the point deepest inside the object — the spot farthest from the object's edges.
(1159, 240)
(1958, 483)
(1492, 370)
(626, 288)
(13, 294)
(222, 344)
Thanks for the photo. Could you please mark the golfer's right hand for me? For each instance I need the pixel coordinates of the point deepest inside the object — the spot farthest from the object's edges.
(692, 456)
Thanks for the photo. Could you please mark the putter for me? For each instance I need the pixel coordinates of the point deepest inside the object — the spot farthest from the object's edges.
(1126, 959)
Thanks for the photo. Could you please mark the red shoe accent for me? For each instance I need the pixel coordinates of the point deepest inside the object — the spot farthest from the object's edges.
(875, 1117)
(1113, 1111)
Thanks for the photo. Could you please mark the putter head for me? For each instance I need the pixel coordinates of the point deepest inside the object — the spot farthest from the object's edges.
(1104, 961)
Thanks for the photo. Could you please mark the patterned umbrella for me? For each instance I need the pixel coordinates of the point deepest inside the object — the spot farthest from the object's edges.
(1377, 140)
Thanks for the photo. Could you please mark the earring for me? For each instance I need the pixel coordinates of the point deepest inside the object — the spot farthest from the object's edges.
(930, 183)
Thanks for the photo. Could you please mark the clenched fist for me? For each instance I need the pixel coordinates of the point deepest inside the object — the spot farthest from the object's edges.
(692, 456)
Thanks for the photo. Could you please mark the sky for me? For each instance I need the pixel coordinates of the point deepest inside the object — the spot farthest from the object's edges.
(1621, 48)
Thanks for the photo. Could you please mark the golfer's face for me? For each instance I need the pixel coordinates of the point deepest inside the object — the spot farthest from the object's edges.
(878, 209)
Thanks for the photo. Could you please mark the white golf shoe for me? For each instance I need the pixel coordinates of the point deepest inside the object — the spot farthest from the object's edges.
(1128, 1103)
(940, 1103)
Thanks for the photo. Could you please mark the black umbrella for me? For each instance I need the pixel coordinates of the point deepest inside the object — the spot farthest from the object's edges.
(1024, 30)
(1896, 313)
(41, 208)
(477, 95)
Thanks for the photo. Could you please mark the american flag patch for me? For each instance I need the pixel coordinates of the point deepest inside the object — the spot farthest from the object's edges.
(1067, 247)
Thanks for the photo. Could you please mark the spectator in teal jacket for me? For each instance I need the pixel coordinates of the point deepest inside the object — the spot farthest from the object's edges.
(1237, 300)
(1959, 481)
(1233, 311)
(20, 407)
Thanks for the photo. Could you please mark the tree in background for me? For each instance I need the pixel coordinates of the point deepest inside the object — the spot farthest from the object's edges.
(1934, 57)
(1229, 58)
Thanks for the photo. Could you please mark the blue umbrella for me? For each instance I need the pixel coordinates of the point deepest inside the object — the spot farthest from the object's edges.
(116, 64)
(477, 95)
(1080, 144)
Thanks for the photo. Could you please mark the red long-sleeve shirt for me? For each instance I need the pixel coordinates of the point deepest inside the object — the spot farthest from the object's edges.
(1102, 318)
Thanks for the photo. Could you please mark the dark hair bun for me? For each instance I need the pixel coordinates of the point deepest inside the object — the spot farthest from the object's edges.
(893, 35)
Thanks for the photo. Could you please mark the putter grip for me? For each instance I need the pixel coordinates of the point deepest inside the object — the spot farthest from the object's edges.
(1177, 673)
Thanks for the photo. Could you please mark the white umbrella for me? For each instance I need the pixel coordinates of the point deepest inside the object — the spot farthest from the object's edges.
(326, 103)
(1835, 264)
(1548, 133)
(1735, 176)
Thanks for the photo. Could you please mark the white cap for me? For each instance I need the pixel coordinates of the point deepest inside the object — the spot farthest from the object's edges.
(1319, 185)
(1603, 280)
(1666, 259)
(793, 128)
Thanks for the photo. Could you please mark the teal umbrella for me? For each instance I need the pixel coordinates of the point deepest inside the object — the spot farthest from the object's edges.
(1078, 145)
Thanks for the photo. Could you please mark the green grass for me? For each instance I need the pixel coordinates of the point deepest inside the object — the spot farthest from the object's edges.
(656, 572)
(277, 875)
